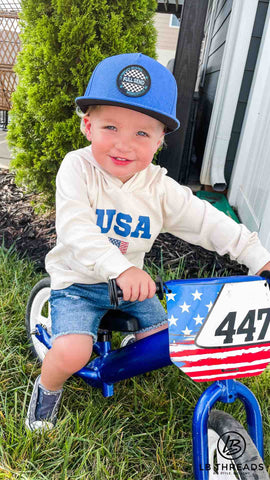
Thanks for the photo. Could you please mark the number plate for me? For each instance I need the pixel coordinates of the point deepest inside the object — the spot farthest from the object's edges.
(240, 316)
(219, 328)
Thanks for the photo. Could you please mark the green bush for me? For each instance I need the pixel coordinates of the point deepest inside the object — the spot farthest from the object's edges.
(62, 42)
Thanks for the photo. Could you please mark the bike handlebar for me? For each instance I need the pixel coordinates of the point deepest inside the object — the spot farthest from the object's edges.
(115, 292)
(265, 274)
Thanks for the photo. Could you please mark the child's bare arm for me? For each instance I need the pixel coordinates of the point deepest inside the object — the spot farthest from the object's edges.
(266, 267)
(136, 284)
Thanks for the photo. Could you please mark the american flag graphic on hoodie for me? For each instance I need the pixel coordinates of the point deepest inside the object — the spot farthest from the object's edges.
(123, 246)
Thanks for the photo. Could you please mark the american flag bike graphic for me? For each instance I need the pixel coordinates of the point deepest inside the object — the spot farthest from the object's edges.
(219, 331)
(228, 312)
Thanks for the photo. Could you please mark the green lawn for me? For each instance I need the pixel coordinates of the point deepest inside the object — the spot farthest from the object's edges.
(143, 432)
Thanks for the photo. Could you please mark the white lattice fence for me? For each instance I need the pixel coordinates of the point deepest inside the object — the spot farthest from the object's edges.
(9, 47)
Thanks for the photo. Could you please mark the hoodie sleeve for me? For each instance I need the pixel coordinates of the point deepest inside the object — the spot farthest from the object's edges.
(76, 224)
(198, 222)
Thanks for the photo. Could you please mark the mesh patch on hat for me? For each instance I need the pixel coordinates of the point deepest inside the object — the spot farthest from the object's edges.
(134, 81)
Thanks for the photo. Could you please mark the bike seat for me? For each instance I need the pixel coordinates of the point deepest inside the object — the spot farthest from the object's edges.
(118, 321)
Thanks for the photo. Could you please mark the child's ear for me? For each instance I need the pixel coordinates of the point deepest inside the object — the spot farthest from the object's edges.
(87, 124)
(161, 140)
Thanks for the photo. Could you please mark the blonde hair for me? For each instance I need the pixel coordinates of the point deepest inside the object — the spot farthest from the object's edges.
(82, 115)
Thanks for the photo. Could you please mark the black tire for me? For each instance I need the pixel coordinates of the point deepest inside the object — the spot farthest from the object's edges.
(38, 312)
(244, 458)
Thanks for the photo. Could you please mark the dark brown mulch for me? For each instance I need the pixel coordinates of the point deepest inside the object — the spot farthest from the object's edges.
(34, 235)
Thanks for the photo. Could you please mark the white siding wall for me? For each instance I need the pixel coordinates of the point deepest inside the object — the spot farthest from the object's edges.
(238, 35)
(250, 184)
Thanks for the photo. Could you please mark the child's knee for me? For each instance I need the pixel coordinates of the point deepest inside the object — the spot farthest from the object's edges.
(73, 351)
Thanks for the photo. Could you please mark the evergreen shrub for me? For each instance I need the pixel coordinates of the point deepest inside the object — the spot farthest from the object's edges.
(62, 42)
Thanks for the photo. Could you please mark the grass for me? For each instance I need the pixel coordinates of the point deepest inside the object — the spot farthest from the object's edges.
(142, 432)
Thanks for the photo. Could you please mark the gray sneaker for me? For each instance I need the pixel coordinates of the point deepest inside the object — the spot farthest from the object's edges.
(43, 408)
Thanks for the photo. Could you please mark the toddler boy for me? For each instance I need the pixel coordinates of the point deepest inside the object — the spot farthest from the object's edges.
(111, 204)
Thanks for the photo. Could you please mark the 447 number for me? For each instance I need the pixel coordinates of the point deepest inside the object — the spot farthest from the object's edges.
(254, 326)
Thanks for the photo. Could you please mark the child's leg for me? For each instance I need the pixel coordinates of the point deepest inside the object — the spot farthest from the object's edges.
(141, 335)
(68, 354)
(77, 308)
(151, 315)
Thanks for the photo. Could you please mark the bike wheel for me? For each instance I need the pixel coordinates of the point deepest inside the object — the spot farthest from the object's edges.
(38, 312)
(232, 453)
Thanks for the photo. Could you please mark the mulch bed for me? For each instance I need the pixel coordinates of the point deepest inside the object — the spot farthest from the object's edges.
(34, 235)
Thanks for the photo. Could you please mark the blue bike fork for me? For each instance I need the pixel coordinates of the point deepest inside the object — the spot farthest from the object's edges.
(226, 391)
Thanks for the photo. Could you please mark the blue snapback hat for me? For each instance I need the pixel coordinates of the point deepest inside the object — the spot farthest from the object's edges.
(134, 81)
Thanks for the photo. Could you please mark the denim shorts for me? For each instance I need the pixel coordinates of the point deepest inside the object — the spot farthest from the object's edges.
(80, 307)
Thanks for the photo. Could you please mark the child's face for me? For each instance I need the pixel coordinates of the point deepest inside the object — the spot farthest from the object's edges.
(123, 141)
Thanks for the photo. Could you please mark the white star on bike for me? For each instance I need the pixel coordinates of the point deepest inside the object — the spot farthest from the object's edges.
(186, 332)
(196, 295)
(198, 319)
(209, 306)
(170, 296)
(185, 307)
(172, 320)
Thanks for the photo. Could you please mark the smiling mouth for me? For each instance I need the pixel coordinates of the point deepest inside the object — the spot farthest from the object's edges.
(120, 160)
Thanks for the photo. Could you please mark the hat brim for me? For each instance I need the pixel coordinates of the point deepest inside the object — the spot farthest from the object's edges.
(171, 123)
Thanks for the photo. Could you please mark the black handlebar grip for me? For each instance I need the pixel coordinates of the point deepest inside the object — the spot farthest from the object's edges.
(160, 288)
(116, 294)
(266, 275)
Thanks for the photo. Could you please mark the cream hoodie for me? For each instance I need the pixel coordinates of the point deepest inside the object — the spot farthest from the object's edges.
(105, 226)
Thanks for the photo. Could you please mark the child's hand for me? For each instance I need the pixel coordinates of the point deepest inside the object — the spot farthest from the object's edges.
(136, 284)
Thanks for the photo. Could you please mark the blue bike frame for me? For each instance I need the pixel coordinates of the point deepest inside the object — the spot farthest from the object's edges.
(145, 355)
(152, 353)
